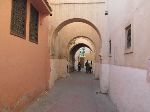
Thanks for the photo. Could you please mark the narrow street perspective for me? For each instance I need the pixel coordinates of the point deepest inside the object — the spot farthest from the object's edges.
(77, 93)
(74, 56)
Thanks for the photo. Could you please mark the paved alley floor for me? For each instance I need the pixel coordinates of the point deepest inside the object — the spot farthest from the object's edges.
(76, 93)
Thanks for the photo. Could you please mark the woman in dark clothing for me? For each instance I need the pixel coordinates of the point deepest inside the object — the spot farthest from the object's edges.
(90, 68)
(79, 66)
(87, 66)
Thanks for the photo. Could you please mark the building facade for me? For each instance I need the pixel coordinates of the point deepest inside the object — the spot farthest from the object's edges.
(24, 59)
(129, 85)
(37, 49)
(124, 43)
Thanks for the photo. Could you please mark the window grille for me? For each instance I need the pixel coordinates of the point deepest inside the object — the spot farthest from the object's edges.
(34, 20)
(128, 37)
(18, 18)
(110, 47)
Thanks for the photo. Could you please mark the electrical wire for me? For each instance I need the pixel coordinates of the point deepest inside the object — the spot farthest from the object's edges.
(65, 3)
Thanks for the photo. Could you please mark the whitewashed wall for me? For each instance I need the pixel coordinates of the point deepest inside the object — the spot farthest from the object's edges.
(128, 87)
(121, 14)
(104, 78)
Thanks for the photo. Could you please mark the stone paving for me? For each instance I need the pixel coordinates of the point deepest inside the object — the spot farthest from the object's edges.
(76, 93)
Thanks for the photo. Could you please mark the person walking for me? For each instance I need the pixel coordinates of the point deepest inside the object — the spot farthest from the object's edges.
(87, 66)
(90, 68)
(79, 66)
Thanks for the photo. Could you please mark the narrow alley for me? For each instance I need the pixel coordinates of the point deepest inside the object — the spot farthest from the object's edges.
(76, 93)
(44, 43)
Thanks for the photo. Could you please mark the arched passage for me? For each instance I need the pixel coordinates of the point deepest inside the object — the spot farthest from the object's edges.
(65, 23)
(72, 41)
(61, 61)
(72, 53)
(60, 26)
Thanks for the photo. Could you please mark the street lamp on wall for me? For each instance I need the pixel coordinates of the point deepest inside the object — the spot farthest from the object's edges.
(106, 12)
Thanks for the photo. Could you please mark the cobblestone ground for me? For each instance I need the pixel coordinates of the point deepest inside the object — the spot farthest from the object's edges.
(76, 93)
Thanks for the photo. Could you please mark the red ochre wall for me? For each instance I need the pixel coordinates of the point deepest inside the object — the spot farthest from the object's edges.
(24, 66)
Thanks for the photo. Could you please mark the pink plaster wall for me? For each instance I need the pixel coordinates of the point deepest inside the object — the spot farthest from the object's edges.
(129, 89)
(24, 66)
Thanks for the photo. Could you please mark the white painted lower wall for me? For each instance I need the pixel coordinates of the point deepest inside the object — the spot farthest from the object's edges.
(104, 78)
(58, 70)
(97, 69)
(129, 89)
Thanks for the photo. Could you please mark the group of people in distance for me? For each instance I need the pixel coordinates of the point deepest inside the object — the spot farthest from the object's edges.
(87, 65)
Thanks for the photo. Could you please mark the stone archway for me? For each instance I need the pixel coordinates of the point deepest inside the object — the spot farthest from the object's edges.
(84, 37)
(63, 24)
(61, 62)
(72, 53)
(75, 44)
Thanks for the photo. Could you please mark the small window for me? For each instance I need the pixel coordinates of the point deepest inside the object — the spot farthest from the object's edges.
(128, 37)
(18, 18)
(128, 40)
(34, 20)
(109, 47)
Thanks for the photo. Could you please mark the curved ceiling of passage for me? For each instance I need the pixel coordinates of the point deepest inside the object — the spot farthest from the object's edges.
(77, 47)
(55, 33)
(83, 37)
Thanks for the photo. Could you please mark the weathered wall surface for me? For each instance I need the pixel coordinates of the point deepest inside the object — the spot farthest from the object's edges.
(121, 14)
(24, 66)
(58, 70)
(128, 87)
(104, 77)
